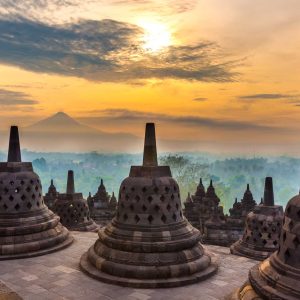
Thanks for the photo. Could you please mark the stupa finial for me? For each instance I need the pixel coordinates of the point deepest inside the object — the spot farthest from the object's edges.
(150, 153)
(14, 152)
(269, 194)
(70, 183)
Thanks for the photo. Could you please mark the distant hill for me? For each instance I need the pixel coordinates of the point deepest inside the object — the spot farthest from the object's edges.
(60, 132)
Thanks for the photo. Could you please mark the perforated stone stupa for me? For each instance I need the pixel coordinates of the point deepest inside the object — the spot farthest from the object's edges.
(278, 277)
(262, 228)
(149, 244)
(102, 206)
(73, 209)
(27, 227)
(51, 196)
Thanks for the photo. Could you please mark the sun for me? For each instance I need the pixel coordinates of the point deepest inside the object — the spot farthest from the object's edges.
(156, 36)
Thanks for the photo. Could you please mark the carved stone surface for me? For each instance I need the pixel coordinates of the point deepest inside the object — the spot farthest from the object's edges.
(149, 243)
(262, 228)
(102, 206)
(73, 209)
(278, 276)
(51, 196)
(27, 226)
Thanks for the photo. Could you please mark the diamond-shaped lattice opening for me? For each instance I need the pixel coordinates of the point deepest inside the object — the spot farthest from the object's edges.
(168, 207)
(132, 189)
(288, 209)
(172, 197)
(126, 197)
(264, 242)
(6, 190)
(31, 181)
(36, 188)
(28, 189)
(5, 206)
(137, 198)
(287, 254)
(150, 199)
(162, 198)
(181, 214)
(284, 236)
(11, 183)
(174, 217)
(296, 242)
(33, 196)
(164, 218)
(136, 218)
(17, 207)
(175, 188)
(298, 213)
(156, 207)
(29, 205)
(150, 219)
(275, 243)
(291, 225)
(144, 189)
(131, 207)
(22, 182)
(38, 203)
(144, 208)
(23, 197)
(123, 188)
(156, 190)
(274, 229)
(260, 234)
(17, 190)
(269, 235)
(167, 189)
(11, 198)
(125, 217)
(265, 228)
(177, 206)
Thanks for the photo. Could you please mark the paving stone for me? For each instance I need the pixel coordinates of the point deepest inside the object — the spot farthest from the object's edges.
(60, 278)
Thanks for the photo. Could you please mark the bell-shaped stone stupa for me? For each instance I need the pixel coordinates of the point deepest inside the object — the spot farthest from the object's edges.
(27, 227)
(149, 244)
(262, 228)
(73, 209)
(51, 196)
(278, 277)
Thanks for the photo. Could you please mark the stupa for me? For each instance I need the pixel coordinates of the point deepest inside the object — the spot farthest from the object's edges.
(102, 207)
(149, 244)
(278, 276)
(235, 222)
(73, 209)
(262, 228)
(190, 211)
(27, 227)
(215, 230)
(51, 196)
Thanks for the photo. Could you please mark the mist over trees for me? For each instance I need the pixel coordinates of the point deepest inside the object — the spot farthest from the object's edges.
(230, 175)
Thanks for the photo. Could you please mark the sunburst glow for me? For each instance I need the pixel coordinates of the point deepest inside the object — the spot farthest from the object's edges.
(156, 37)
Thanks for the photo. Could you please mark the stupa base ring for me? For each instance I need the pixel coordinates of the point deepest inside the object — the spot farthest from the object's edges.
(238, 249)
(40, 252)
(87, 267)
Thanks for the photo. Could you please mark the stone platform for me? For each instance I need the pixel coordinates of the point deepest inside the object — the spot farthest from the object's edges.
(57, 276)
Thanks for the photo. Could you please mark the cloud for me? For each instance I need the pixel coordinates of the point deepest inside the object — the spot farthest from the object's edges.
(107, 51)
(200, 99)
(266, 97)
(13, 98)
(124, 115)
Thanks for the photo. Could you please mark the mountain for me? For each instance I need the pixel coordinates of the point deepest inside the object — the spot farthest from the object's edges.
(60, 132)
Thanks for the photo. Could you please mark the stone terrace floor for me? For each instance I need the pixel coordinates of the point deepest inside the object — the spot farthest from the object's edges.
(57, 276)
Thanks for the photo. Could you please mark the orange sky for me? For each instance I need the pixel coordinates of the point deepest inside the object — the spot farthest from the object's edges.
(240, 87)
